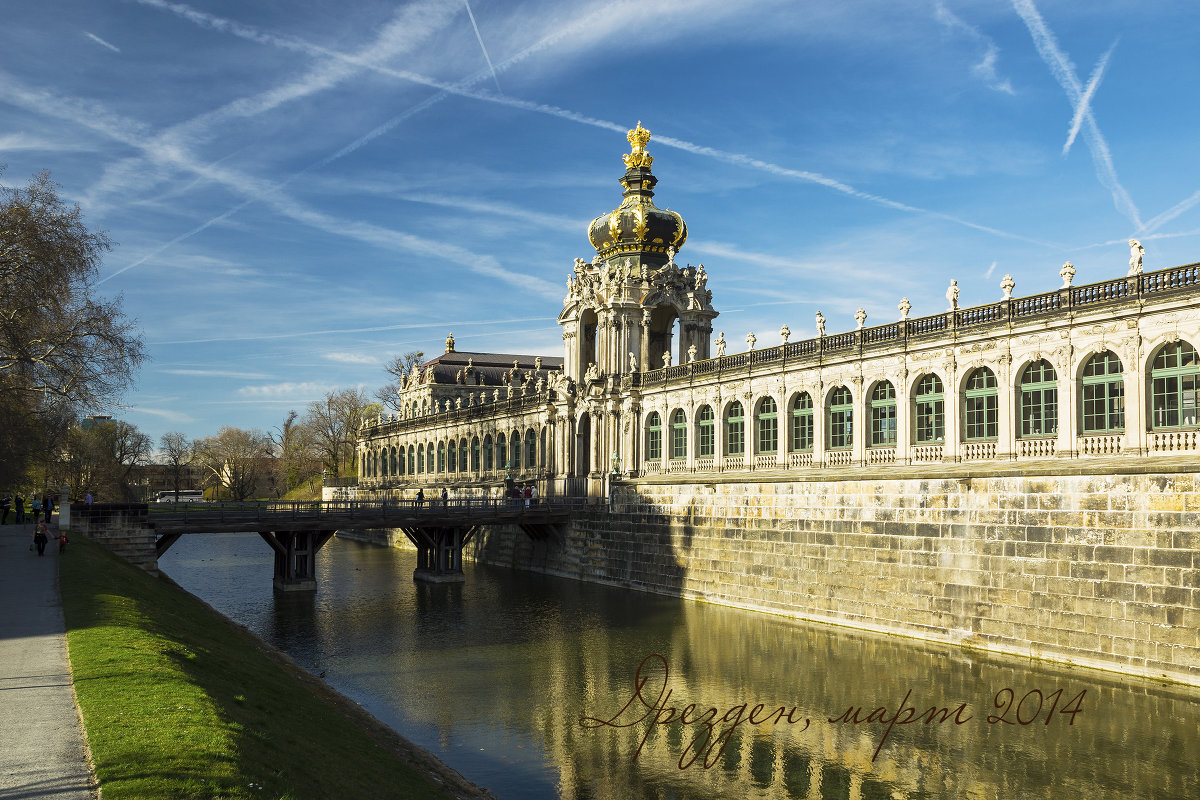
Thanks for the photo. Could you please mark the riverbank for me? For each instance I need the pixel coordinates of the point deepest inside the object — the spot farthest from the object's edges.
(179, 702)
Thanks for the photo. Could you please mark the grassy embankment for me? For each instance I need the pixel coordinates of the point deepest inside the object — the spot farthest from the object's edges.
(178, 702)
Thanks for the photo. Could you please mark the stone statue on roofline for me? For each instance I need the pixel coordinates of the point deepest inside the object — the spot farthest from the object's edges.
(904, 307)
(1136, 251)
(751, 339)
(720, 344)
(666, 358)
(1067, 273)
(820, 324)
(952, 295)
(860, 317)
(785, 333)
(1007, 285)
(450, 343)
(691, 353)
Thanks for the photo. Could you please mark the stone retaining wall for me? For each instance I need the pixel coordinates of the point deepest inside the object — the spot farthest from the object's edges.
(1101, 571)
(121, 528)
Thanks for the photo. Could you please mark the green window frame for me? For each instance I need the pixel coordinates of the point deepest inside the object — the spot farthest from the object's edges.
(679, 434)
(653, 437)
(489, 453)
(383, 461)
(766, 419)
(1103, 394)
(501, 452)
(452, 456)
(462, 455)
(803, 423)
(735, 430)
(1175, 387)
(514, 449)
(981, 406)
(530, 449)
(441, 457)
(475, 455)
(1039, 400)
(883, 414)
(706, 432)
(929, 410)
(421, 459)
(841, 419)
(397, 462)
(412, 460)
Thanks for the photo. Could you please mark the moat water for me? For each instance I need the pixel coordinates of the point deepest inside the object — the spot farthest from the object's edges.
(496, 675)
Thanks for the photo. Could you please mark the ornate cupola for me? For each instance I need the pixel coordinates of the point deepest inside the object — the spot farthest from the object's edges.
(638, 227)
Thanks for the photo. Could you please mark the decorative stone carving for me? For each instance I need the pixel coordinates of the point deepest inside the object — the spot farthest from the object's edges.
(666, 358)
(904, 307)
(537, 363)
(450, 343)
(751, 339)
(1067, 273)
(691, 351)
(720, 344)
(1007, 285)
(784, 334)
(952, 295)
(457, 402)
(1136, 251)
(860, 317)
(593, 372)
(820, 324)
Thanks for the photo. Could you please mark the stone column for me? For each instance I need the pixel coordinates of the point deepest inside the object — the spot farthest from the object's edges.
(1137, 405)
(861, 421)
(1006, 410)
(820, 426)
(904, 419)
(953, 414)
(1068, 418)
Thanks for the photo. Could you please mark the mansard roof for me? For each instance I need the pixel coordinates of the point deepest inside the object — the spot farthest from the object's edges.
(486, 369)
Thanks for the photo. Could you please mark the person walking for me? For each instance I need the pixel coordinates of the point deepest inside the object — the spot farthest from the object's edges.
(528, 495)
(445, 497)
(48, 507)
(87, 498)
(62, 541)
(40, 538)
(35, 505)
(420, 497)
(19, 504)
(5, 505)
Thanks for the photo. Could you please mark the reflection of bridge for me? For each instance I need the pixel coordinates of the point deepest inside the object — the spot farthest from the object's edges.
(297, 531)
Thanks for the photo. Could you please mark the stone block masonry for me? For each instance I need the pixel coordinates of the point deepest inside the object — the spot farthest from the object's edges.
(121, 528)
(1094, 570)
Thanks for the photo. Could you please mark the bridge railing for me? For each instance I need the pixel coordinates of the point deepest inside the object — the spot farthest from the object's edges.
(265, 511)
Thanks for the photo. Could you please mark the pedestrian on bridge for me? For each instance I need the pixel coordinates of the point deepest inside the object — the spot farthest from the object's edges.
(445, 497)
(420, 497)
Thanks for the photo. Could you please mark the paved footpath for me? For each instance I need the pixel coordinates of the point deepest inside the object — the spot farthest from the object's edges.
(42, 751)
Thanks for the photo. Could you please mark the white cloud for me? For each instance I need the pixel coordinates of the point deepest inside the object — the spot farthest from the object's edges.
(289, 389)
(350, 358)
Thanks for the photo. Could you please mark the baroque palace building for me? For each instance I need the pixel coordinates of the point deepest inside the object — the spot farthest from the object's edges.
(1100, 370)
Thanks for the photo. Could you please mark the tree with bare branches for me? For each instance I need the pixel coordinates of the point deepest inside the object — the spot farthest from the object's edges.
(399, 368)
(237, 461)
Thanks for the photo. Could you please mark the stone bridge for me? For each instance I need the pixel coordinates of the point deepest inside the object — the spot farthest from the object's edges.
(297, 531)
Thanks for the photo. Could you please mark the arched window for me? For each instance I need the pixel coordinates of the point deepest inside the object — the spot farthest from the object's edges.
(441, 457)
(421, 458)
(542, 447)
(678, 434)
(530, 449)
(514, 446)
(429, 463)
(841, 419)
(412, 460)
(735, 430)
(462, 455)
(398, 454)
(981, 416)
(1103, 394)
(501, 452)
(488, 463)
(1175, 386)
(883, 414)
(653, 437)
(929, 410)
(475, 454)
(1039, 400)
(766, 419)
(395, 462)
(452, 456)
(802, 423)
(383, 463)
(706, 433)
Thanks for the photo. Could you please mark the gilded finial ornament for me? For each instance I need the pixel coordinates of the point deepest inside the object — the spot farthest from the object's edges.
(638, 137)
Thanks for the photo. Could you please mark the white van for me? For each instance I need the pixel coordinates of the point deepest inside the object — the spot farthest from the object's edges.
(185, 496)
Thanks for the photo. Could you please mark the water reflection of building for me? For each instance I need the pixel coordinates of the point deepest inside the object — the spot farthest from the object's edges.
(1018, 475)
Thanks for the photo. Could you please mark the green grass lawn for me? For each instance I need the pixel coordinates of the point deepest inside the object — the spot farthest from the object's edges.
(179, 703)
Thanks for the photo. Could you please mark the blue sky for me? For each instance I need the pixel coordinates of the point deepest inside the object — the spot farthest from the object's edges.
(300, 190)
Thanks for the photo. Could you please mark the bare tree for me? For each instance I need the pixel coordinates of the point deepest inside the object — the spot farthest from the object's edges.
(333, 424)
(56, 338)
(236, 460)
(399, 368)
(179, 453)
(293, 444)
(102, 458)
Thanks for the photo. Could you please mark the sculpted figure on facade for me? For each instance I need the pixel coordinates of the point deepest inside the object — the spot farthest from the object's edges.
(952, 295)
(860, 317)
(720, 344)
(450, 343)
(1136, 251)
(784, 333)
(820, 324)
(632, 362)
(751, 339)
(593, 372)
(701, 280)
(1007, 285)
(691, 351)
(1067, 273)
(666, 358)
(904, 307)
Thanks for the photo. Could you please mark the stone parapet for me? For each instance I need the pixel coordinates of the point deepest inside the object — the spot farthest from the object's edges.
(123, 528)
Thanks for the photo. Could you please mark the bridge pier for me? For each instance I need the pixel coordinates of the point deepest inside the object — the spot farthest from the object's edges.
(296, 558)
(439, 552)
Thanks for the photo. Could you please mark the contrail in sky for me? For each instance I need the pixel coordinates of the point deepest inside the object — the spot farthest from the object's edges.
(1085, 102)
(1064, 72)
(482, 47)
(101, 42)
